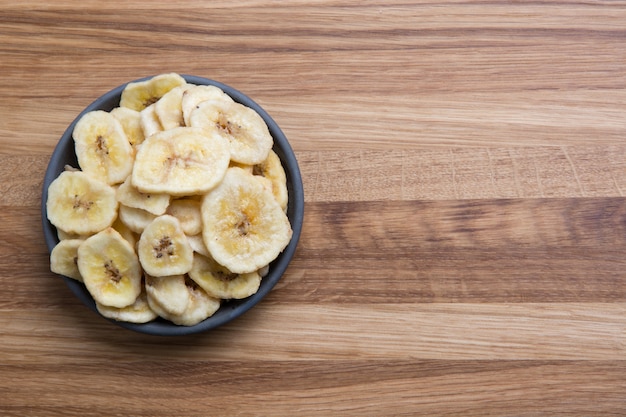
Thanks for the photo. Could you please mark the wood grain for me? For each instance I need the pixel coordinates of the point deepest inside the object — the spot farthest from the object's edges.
(464, 168)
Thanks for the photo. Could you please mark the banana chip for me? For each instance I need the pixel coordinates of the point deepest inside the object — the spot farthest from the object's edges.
(141, 94)
(168, 294)
(244, 227)
(245, 131)
(137, 312)
(179, 203)
(131, 123)
(163, 248)
(64, 258)
(129, 196)
(180, 161)
(219, 282)
(102, 147)
(110, 269)
(79, 204)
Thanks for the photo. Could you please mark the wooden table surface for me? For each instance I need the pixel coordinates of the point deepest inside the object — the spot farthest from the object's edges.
(464, 244)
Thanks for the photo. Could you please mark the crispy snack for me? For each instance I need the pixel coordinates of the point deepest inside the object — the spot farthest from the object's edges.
(153, 203)
(179, 203)
(169, 108)
(79, 204)
(63, 258)
(197, 94)
(169, 293)
(273, 170)
(131, 123)
(110, 269)
(187, 211)
(180, 161)
(244, 228)
(141, 94)
(163, 248)
(245, 131)
(219, 282)
(137, 312)
(102, 147)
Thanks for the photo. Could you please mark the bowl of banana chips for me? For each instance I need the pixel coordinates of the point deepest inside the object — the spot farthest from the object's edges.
(172, 205)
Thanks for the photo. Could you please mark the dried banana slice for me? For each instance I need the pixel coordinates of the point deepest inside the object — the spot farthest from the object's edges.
(163, 248)
(201, 306)
(169, 293)
(102, 148)
(265, 182)
(64, 258)
(129, 196)
(149, 120)
(62, 235)
(130, 236)
(187, 211)
(137, 312)
(110, 269)
(245, 130)
(219, 282)
(196, 94)
(180, 161)
(263, 271)
(141, 94)
(169, 108)
(246, 167)
(244, 228)
(79, 204)
(131, 123)
(197, 244)
(273, 170)
(135, 219)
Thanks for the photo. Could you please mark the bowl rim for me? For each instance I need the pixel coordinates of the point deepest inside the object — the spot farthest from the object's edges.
(229, 309)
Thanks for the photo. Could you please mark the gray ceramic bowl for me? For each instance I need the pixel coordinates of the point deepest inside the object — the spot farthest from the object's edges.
(64, 155)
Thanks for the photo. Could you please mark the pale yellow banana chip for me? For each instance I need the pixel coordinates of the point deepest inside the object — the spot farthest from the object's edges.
(135, 219)
(150, 123)
(187, 211)
(153, 203)
(79, 204)
(169, 108)
(141, 94)
(110, 269)
(272, 169)
(63, 235)
(180, 161)
(170, 293)
(263, 271)
(246, 132)
(246, 167)
(244, 228)
(197, 244)
(137, 312)
(131, 123)
(265, 182)
(199, 307)
(124, 231)
(197, 94)
(163, 248)
(102, 148)
(219, 282)
(64, 259)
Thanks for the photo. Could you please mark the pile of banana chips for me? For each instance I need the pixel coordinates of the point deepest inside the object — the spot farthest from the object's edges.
(178, 203)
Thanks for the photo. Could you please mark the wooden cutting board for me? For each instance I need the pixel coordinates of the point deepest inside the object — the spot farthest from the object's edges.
(463, 250)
